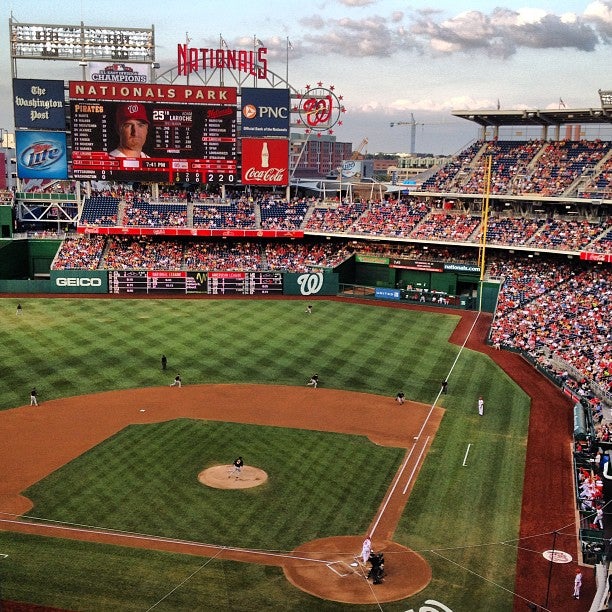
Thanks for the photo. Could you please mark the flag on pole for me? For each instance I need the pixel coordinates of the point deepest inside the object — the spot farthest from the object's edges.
(498, 104)
(561, 103)
(258, 42)
(223, 43)
(289, 45)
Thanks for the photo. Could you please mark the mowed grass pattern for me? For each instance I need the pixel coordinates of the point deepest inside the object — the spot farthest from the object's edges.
(72, 346)
(320, 484)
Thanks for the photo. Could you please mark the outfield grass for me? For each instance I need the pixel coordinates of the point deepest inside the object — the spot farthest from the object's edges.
(457, 516)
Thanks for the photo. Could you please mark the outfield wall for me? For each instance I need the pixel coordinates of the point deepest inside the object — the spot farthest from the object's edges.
(25, 264)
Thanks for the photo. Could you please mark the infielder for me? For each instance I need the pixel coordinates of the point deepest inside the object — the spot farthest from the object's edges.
(480, 406)
(177, 381)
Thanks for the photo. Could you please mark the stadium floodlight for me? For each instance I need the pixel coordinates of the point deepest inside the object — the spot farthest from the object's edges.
(606, 98)
(36, 41)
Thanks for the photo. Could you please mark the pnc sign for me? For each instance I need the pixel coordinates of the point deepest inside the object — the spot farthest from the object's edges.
(265, 112)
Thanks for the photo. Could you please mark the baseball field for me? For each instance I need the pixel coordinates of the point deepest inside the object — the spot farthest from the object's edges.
(104, 471)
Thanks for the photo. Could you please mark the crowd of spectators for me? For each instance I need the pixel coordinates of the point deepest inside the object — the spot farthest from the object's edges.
(222, 255)
(140, 213)
(304, 256)
(533, 167)
(129, 253)
(564, 309)
(79, 253)
(404, 218)
(282, 215)
(238, 213)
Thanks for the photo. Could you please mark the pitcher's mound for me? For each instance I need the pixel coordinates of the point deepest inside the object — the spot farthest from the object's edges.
(221, 477)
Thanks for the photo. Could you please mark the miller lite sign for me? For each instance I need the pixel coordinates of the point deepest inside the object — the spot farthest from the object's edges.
(265, 161)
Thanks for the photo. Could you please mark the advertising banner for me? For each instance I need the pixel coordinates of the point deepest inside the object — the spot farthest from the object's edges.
(352, 169)
(265, 112)
(79, 281)
(41, 155)
(387, 294)
(265, 161)
(311, 283)
(39, 104)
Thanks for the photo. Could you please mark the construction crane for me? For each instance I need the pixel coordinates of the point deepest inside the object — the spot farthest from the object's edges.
(357, 151)
(412, 123)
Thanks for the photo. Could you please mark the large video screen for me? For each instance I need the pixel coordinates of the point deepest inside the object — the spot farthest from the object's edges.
(153, 133)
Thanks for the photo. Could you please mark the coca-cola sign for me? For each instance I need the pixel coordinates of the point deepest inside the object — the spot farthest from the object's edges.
(265, 161)
(269, 176)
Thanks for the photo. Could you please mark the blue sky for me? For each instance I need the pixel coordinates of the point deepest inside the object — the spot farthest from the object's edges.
(389, 59)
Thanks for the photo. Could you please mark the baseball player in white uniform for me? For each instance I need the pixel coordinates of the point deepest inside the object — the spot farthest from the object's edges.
(366, 549)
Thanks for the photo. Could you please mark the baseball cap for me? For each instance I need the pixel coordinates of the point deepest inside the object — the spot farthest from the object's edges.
(131, 110)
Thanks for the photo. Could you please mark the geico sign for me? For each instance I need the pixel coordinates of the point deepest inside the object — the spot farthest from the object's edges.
(78, 282)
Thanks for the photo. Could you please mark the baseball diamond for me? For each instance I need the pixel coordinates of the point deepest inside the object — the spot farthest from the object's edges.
(321, 566)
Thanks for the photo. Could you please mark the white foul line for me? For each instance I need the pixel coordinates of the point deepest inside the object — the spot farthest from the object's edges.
(466, 454)
(416, 465)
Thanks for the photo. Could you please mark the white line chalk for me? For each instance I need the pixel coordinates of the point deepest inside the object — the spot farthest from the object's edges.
(466, 454)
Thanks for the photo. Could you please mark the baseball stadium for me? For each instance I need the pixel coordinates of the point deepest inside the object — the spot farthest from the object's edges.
(236, 380)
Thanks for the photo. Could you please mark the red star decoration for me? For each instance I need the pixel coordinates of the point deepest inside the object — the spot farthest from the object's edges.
(330, 131)
(307, 87)
(318, 134)
(340, 97)
(320, 83)
(343, 110)
(339, 122)
(331, 88)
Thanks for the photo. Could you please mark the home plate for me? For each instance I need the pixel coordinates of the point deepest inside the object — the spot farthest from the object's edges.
(142, 410)
(354, 564)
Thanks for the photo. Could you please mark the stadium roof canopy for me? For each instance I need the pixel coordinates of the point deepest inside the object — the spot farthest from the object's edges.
(537, 117)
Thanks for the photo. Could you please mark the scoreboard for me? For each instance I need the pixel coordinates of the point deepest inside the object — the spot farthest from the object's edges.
(193, 141)
(244, 283)
(153, 281)
(212, 283)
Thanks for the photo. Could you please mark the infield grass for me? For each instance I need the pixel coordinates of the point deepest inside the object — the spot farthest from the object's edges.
(457, 517)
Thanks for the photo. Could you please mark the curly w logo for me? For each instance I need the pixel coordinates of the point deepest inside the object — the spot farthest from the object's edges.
(310, 283)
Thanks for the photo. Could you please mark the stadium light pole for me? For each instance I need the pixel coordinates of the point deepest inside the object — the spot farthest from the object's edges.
(484, 226)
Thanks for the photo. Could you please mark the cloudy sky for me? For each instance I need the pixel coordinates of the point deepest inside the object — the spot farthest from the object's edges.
(391, 60)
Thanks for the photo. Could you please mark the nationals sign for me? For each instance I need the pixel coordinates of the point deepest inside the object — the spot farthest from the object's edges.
(265, 161)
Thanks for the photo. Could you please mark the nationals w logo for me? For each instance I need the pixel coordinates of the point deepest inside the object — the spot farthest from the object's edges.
(310, 283)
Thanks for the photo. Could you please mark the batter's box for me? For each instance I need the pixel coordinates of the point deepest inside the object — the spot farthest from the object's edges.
(341, 568)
